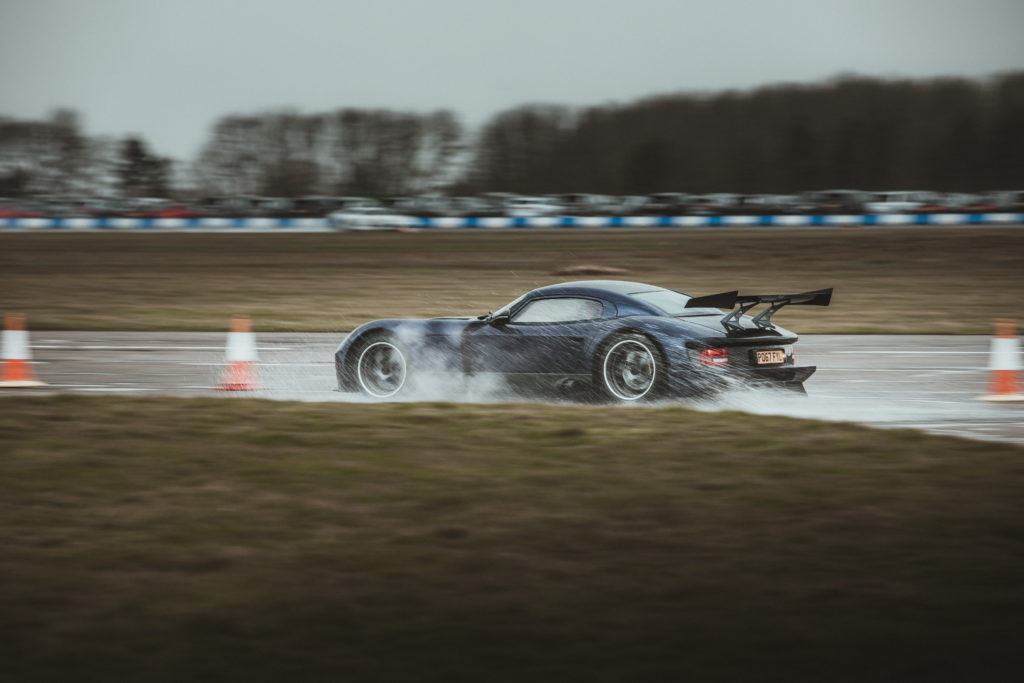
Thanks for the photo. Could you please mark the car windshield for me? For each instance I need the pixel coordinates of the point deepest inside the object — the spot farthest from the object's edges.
(673, 303)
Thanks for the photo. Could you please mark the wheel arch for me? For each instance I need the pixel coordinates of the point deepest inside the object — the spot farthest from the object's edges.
(597, 372)
(357, 340)
(368, 340)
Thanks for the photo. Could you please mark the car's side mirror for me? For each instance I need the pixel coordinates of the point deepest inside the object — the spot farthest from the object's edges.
(500, 319)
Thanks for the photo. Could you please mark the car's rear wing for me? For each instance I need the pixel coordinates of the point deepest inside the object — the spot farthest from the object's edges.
(820, 297)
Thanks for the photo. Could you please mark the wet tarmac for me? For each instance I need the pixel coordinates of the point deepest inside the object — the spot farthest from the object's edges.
(931, 383)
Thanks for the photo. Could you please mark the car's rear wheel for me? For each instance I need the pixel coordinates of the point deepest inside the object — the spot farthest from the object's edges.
(630, 368)
(382, 367)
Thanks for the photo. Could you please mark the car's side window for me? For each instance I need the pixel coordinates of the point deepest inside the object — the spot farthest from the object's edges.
(559, 311)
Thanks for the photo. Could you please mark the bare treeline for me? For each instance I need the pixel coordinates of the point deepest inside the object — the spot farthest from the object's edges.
(43, 156)
(944, 134)
(347, 152)
(54, 157)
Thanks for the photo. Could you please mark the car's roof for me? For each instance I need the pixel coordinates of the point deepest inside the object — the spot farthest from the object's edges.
(613, 286)
(622, 293)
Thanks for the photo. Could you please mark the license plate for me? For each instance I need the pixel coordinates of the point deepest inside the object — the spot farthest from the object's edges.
(771, 356)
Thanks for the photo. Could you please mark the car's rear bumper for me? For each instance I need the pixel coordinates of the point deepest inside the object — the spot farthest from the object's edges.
(692, 382)
(782, 373)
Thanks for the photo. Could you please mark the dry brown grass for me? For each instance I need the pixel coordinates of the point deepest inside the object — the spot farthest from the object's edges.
(940, 280)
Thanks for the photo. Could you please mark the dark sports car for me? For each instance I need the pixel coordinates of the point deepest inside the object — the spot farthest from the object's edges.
(623, 341)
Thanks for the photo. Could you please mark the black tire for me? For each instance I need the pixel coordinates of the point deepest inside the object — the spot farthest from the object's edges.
(629, 368)
(381, 366)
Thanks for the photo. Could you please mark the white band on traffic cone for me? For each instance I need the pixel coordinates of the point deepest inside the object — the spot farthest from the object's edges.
(16, 345)
(16, 354)
(1005, 354)
(241, 347)
(1004, 364)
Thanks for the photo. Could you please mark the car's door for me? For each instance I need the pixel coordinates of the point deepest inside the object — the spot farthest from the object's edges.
(543, 336)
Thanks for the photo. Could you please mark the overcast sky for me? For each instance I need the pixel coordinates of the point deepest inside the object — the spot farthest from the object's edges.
(168, 69)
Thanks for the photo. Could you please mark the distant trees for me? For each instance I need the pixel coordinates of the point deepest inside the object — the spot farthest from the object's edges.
(507, 148)
(865, 133)
(349, 151)
(141, 173)
(46, 156)
(943, 134)
(54, 157)
(1004, 147)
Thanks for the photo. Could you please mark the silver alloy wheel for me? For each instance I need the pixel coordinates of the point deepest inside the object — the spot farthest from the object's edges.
(629, 370)
(381, 369)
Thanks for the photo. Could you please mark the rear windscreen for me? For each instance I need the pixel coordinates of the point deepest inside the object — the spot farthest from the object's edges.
(673, 303)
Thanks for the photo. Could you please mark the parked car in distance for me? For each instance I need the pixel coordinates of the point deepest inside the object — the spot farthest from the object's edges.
(18, 210)
(423, 206)
(531, 207)
(629, 205)
(471, 207)
(369, 217)
(904, 202)
(176, 210)
(1008, 200)
(715, 204)
(835, 201)
(584, 204)
(313, 206)
(665, 204)
(770, 204)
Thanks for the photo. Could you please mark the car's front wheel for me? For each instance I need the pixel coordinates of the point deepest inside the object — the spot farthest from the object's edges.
(382, 367)
(630, 368)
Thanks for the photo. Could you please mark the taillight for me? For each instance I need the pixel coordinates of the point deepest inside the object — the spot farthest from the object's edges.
(792, 352)
(714, 357)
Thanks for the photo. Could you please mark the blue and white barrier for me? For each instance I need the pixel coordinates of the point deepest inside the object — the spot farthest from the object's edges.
(500, 222)
(169, 224)
(721, 221)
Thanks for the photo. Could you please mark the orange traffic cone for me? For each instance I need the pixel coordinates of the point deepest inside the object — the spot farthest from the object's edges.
(17, 356)
(1004, 364)
(240, 374)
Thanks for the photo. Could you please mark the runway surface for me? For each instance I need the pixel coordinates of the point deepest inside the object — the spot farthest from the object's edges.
(929, 383)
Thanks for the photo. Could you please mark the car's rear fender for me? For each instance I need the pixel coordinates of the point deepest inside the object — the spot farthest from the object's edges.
(668, 339)
(681, 378)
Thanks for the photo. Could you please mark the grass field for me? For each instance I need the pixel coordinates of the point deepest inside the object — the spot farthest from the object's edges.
(174, 540)
(928, 280)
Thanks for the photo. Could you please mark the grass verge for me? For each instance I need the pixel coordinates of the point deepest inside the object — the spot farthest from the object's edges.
(928, 280)
(215, 539)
